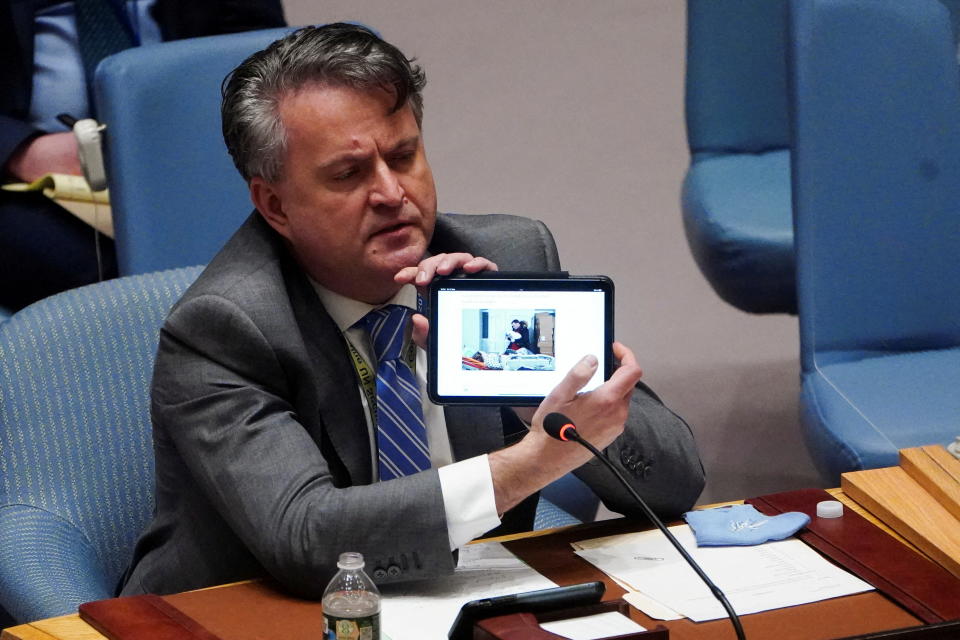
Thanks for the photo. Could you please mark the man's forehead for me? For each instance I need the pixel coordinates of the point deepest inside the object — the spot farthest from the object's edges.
(338, 114)
(338, 99)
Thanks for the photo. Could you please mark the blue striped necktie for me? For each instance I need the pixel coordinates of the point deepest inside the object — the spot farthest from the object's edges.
(401, 431)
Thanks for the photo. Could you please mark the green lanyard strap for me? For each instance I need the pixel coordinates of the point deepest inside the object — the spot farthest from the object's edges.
(368, 377)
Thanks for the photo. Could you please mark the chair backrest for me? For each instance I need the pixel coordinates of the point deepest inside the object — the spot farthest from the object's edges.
(175, 194)
(736, 90)
(75, 437)
(876, 176)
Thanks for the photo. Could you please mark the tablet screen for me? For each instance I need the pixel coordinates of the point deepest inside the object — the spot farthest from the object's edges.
(510, 340)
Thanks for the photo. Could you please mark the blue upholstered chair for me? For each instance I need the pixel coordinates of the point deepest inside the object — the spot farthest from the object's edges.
(549, 515)
(175, 194)
(876, 170)
(76, 456)
(736, 195)
(566, 501)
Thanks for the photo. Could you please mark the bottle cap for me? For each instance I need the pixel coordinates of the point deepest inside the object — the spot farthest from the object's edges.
(829, 509)
(350, 560)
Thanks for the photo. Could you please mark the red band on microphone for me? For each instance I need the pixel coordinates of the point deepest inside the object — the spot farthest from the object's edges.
(563, 431)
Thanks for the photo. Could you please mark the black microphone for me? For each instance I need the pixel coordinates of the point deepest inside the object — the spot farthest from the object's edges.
(561, 427)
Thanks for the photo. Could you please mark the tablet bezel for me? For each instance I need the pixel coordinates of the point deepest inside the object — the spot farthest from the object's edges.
(523, 281)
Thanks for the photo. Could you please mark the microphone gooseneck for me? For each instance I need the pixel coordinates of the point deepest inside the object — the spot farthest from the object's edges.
(561, 427)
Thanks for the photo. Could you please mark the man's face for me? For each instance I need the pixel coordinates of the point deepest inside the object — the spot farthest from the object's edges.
(356, 200)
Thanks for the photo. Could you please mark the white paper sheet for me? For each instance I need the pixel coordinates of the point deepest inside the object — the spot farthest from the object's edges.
(654, 609)
(755, 578)
(595, 627)
(427, 609)
(642, 601)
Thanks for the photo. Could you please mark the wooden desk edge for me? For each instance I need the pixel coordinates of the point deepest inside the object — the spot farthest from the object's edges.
(68, 627)
(71, 627)
(70, 624)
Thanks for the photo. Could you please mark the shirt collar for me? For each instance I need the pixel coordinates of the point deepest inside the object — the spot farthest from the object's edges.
(346, 312)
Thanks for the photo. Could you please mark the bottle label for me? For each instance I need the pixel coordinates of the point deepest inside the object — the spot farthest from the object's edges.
(366, 628)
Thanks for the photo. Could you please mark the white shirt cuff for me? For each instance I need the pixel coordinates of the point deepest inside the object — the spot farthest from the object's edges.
(467, 488)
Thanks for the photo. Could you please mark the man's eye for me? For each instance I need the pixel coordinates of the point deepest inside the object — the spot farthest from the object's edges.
(345, 175)
(402, 158)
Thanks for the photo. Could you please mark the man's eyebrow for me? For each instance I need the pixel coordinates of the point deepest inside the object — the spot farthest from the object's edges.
(359, 156)
(344, 158)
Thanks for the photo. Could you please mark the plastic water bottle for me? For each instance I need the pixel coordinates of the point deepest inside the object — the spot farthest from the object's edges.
(351, 602)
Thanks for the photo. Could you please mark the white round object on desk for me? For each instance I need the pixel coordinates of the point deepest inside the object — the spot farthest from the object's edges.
(829, 509)
(954, 448)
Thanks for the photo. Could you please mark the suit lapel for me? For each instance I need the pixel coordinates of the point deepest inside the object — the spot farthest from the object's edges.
(338, 408)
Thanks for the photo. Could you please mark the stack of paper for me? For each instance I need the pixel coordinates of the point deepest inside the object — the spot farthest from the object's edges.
(427, 609)
(73, 194)
(600, 625)
(755, 578)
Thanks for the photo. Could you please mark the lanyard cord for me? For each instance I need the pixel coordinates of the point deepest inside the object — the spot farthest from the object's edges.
(367, 377)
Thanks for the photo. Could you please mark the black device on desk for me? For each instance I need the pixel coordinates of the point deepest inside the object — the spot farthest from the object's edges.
(509, 338)
(530, 601)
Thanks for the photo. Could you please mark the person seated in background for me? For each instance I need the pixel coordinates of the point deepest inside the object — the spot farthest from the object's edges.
(50, 49)
(289, 418)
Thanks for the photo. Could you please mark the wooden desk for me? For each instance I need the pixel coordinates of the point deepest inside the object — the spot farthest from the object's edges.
(71, 627)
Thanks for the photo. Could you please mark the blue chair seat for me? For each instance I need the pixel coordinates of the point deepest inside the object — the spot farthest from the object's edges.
(876, 187)
(76, 451)
(572, 496)
(175, 194)
(739, 224)
(549, 515)
(860, 413)
(736, 196)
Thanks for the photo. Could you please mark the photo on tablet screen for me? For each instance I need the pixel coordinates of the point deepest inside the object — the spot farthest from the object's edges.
(508, 339)
(512, 340)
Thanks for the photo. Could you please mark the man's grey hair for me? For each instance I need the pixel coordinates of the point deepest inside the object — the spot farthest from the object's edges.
(337, 55)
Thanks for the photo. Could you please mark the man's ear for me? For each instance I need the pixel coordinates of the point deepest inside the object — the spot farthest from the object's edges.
(266, 198)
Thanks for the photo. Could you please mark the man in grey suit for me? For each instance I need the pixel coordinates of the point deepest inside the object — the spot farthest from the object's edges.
(269, 461)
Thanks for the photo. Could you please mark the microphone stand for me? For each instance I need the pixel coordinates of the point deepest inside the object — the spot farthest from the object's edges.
(571, 434)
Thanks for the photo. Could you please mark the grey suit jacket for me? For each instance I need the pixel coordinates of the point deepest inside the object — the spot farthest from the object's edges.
(262, 451)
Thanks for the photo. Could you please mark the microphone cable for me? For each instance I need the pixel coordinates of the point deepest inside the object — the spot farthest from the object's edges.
(560, 427)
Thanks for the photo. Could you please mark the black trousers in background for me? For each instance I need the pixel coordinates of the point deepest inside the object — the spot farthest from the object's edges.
(45, 249)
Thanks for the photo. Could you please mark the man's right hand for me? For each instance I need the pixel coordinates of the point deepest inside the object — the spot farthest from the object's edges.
(49, 153)
(600, 414)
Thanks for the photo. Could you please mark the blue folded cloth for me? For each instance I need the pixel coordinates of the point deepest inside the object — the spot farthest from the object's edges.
(742, 524)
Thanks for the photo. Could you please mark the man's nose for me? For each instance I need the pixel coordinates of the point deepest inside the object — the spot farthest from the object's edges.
(387, 190)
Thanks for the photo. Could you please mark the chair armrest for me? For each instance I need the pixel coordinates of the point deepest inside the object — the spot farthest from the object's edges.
(47, 565)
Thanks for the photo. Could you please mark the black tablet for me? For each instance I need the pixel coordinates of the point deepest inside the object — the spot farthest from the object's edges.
(542, 601)
(509, 338)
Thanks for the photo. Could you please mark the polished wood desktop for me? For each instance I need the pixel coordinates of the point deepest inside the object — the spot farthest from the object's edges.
(71, 627)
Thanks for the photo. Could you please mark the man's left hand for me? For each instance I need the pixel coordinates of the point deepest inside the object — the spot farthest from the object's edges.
(442, 264)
